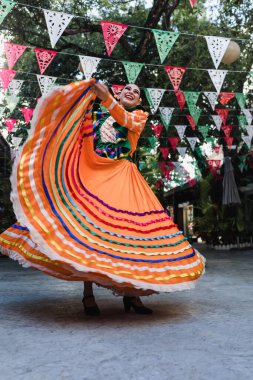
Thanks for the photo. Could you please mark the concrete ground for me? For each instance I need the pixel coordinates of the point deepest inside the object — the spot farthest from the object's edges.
(203, 334)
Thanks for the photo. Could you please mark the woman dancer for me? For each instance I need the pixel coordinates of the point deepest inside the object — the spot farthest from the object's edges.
(84, 211)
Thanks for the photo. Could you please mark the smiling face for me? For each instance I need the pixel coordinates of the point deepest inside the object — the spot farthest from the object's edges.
(130, 96)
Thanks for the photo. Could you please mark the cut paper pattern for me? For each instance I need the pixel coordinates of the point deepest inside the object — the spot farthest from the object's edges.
(225, 97)
(212, 98)
(89, 65)
(217, 121)
(132, 70)
(223, 113)
(247, 140)
(166, 113)
(157, 128)
(13, 52)
(15, 87)
(44, 58)
(180, 130)
(117, 88)
(191, 121)
(27, 113)
(164, 42)
(180, 98)
(175, 74)
(165, 152)
(5, 8)
(241, 99)
(11, 101)
(248, 115)
(217, 77)
(56, 22)
(217, 47)
(182, 151)
(112, 31)
(191, 98)
(10, 124)
(6, 77)
(46, 83)
(154, 96)
(242, 121)
(173, 142)
(192, 141)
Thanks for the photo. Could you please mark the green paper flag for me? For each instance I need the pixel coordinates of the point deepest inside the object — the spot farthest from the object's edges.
(152, 141)
(5, 8)
(241, 99)
(211, 141)
(242, 121)
(164, 42)
(204, 129)
(191, 98)
(132, 70)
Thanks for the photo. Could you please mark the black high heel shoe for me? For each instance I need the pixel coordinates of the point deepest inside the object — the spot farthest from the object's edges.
(130, 302)
(90, 310)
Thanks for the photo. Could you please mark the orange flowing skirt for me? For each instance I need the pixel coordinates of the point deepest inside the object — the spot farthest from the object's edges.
(82, 217)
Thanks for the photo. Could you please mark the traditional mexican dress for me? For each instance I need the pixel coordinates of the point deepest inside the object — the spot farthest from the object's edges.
(84, 211)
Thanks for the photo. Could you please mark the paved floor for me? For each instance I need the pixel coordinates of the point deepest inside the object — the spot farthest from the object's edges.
(204, 334)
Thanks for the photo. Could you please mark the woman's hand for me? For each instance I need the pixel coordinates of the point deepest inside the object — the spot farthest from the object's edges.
(100, 90)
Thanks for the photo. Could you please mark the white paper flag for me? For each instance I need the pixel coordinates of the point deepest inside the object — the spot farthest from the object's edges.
(57, 22)
(212, 98)
(180, 130)
(217, 77)
(166, 113)
(12, 101)
(249, 129)
(248, 115)
(46, 83)
(15, 86)
(192, 141)
(217, 47)
(89, 65)
(154, 96)
(182, 151)
(217, 120)
(247, 140)
(16, 142)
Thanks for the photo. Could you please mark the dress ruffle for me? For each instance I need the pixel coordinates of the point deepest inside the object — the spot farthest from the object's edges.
(83, 217)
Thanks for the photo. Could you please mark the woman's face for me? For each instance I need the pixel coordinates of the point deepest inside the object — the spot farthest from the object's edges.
(130, 96)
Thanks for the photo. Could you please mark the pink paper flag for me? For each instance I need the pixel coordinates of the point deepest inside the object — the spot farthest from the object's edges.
(117, 88)
(173, 142)
(192, 2)
(191, 121)
(27, 113)
(180, 98)
(44, 58)
(10, 124)
(165, 169)
(223, 113)
(112, 31)
(6, 77)
(227, 129)
(13, 52)
(175, 74)
(165, 152)
(157, 129)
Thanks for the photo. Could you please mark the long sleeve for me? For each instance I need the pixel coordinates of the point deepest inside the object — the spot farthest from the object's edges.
(134, 121)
